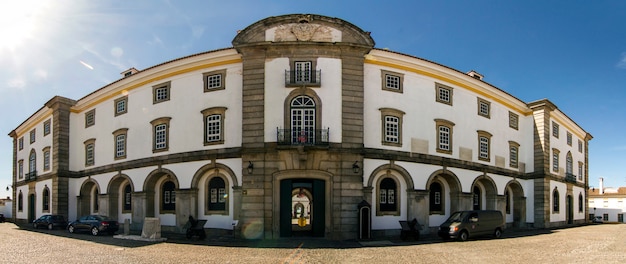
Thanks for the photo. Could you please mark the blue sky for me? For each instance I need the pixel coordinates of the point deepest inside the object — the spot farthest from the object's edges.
(571, 52)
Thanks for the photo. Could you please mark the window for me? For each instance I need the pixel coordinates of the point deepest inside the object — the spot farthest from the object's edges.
(46, 127)
(555, 129)
(303, 120)
(476, 195)
(484, 140)
(392, 81)
(507, 198)
(580, 171)
(214, 80)
(90, 152)
(513, 154)
(484, 108)
(444, 135)
(580, 203)
(555, 201)
(436, 198)
(127, 198)
(20, 202)
(168, 199)
(32, 163)
(513, 120)
(569, 164)
(387, 196)
(302, 71)
(46, 159)
(580, 146)
(20, 143)
(555, 160)
(160, 134)
(605, 217)
(121, 106)
(391, 126)
(620, 218)
(90, 118)
(20, 169)
(217, 194)
(45, 200)
(214, 125)
(120, 143)
(569, 138)
(32, 136)
(444, 94)
(161, 92)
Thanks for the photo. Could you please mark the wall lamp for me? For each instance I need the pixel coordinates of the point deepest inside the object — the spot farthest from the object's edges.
(355, 167)
(250, 167)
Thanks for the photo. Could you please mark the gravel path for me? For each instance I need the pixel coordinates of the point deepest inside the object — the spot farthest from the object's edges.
(588, 244)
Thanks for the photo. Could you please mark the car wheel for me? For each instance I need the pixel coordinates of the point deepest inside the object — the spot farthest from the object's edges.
(497, 233)
(71, 229)
(463, 236)
(50, 226)
(95, 231)
(35, 225)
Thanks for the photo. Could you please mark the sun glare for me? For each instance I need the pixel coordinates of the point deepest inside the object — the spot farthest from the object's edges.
(19, 21)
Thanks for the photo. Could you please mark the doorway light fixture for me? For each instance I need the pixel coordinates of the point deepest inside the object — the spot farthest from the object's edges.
(250, 167)
(355, 167)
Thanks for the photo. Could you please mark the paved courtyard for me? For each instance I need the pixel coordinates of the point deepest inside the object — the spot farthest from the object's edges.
(588, 244)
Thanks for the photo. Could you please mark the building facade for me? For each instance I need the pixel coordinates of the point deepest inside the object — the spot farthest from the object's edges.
(608, 203)
(291, 131)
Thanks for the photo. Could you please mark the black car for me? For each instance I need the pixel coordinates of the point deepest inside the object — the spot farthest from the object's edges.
(95, 224)
(50, 222)
(2, 218)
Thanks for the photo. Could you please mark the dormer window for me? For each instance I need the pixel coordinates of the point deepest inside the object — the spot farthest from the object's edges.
(129, 72)
(475, 75)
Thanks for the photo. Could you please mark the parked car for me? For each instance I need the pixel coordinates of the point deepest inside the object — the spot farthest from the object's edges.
(50, 222)
(597, 219)
(465, 224)
(2, 218)
(95, 224)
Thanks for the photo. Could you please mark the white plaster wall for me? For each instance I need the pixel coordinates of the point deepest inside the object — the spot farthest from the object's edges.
(39, 186)
(40, 143)
(560, 143)
(530, 199)
(186, 131)
(561, 215)
(329, 93)
(419, 103)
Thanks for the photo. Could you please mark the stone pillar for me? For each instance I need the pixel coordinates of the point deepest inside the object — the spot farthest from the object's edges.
(236, 201)
(367, 194)
(418, 208)
(186, 205)
(500, 202)
(139, 210)
(465, 202)
(103, 205)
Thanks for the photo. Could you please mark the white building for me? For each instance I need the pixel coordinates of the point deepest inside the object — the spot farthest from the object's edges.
(607, 202)
(301, 105)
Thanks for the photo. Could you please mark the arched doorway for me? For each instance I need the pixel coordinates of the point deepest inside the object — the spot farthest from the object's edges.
(484, 194)
(515, 207)
(302, 207)
(88, 199)
(570, 209)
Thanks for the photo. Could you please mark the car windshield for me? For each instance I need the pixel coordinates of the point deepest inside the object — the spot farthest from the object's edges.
(103, 218)
(456, 217)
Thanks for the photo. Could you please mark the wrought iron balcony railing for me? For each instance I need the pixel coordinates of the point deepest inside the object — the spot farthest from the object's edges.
(569, 177)
(31, 176)
(311, 137)
(298, 78)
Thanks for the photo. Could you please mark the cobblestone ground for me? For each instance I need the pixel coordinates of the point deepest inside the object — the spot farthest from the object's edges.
(588, 244)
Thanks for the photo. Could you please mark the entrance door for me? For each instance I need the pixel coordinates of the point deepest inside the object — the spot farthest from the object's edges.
(31, 208)
(570, 210)
(302, 207)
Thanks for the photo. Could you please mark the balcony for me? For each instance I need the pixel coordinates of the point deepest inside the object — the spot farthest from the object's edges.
(303, 78)
(569, 177)
(31, 176)
(295, 137)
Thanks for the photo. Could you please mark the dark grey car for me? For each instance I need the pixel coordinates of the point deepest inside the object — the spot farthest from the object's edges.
(95, 224)
(50, 222)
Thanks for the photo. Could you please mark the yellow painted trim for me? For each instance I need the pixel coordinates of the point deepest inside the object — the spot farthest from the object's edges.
(34, 123)
(479, 91)
(158, 78)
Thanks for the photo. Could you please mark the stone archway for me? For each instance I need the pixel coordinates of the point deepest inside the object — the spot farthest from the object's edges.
(87, 202)
(516, 202)
(116, 194)
(487, 191)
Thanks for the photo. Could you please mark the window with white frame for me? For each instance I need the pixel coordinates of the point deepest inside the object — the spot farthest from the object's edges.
(120, 141)
(555, 160)
(392, 81)
(484, 107)
(569, 164)
(214, 125)
(168, 199)
(160, 134)
(387, 194)
(513, 154)
(436, 204)
(444, 94)
(32, 162)
(391, 126)
(513, 120)
(161, 92)
(444, 135)
(90, 148)
(46, 127)
(484, 140)
(90, 118)
(214, 80)
(302, 71)
(120, 105)
(555, 129)
(580, 146)
(580, 171)
(20, 169)
(46, 159)
(32, 136)
(20, 143)
(569, 138)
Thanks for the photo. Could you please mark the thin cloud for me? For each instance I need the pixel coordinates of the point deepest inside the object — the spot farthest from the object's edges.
(17, 82)
(622, 61)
